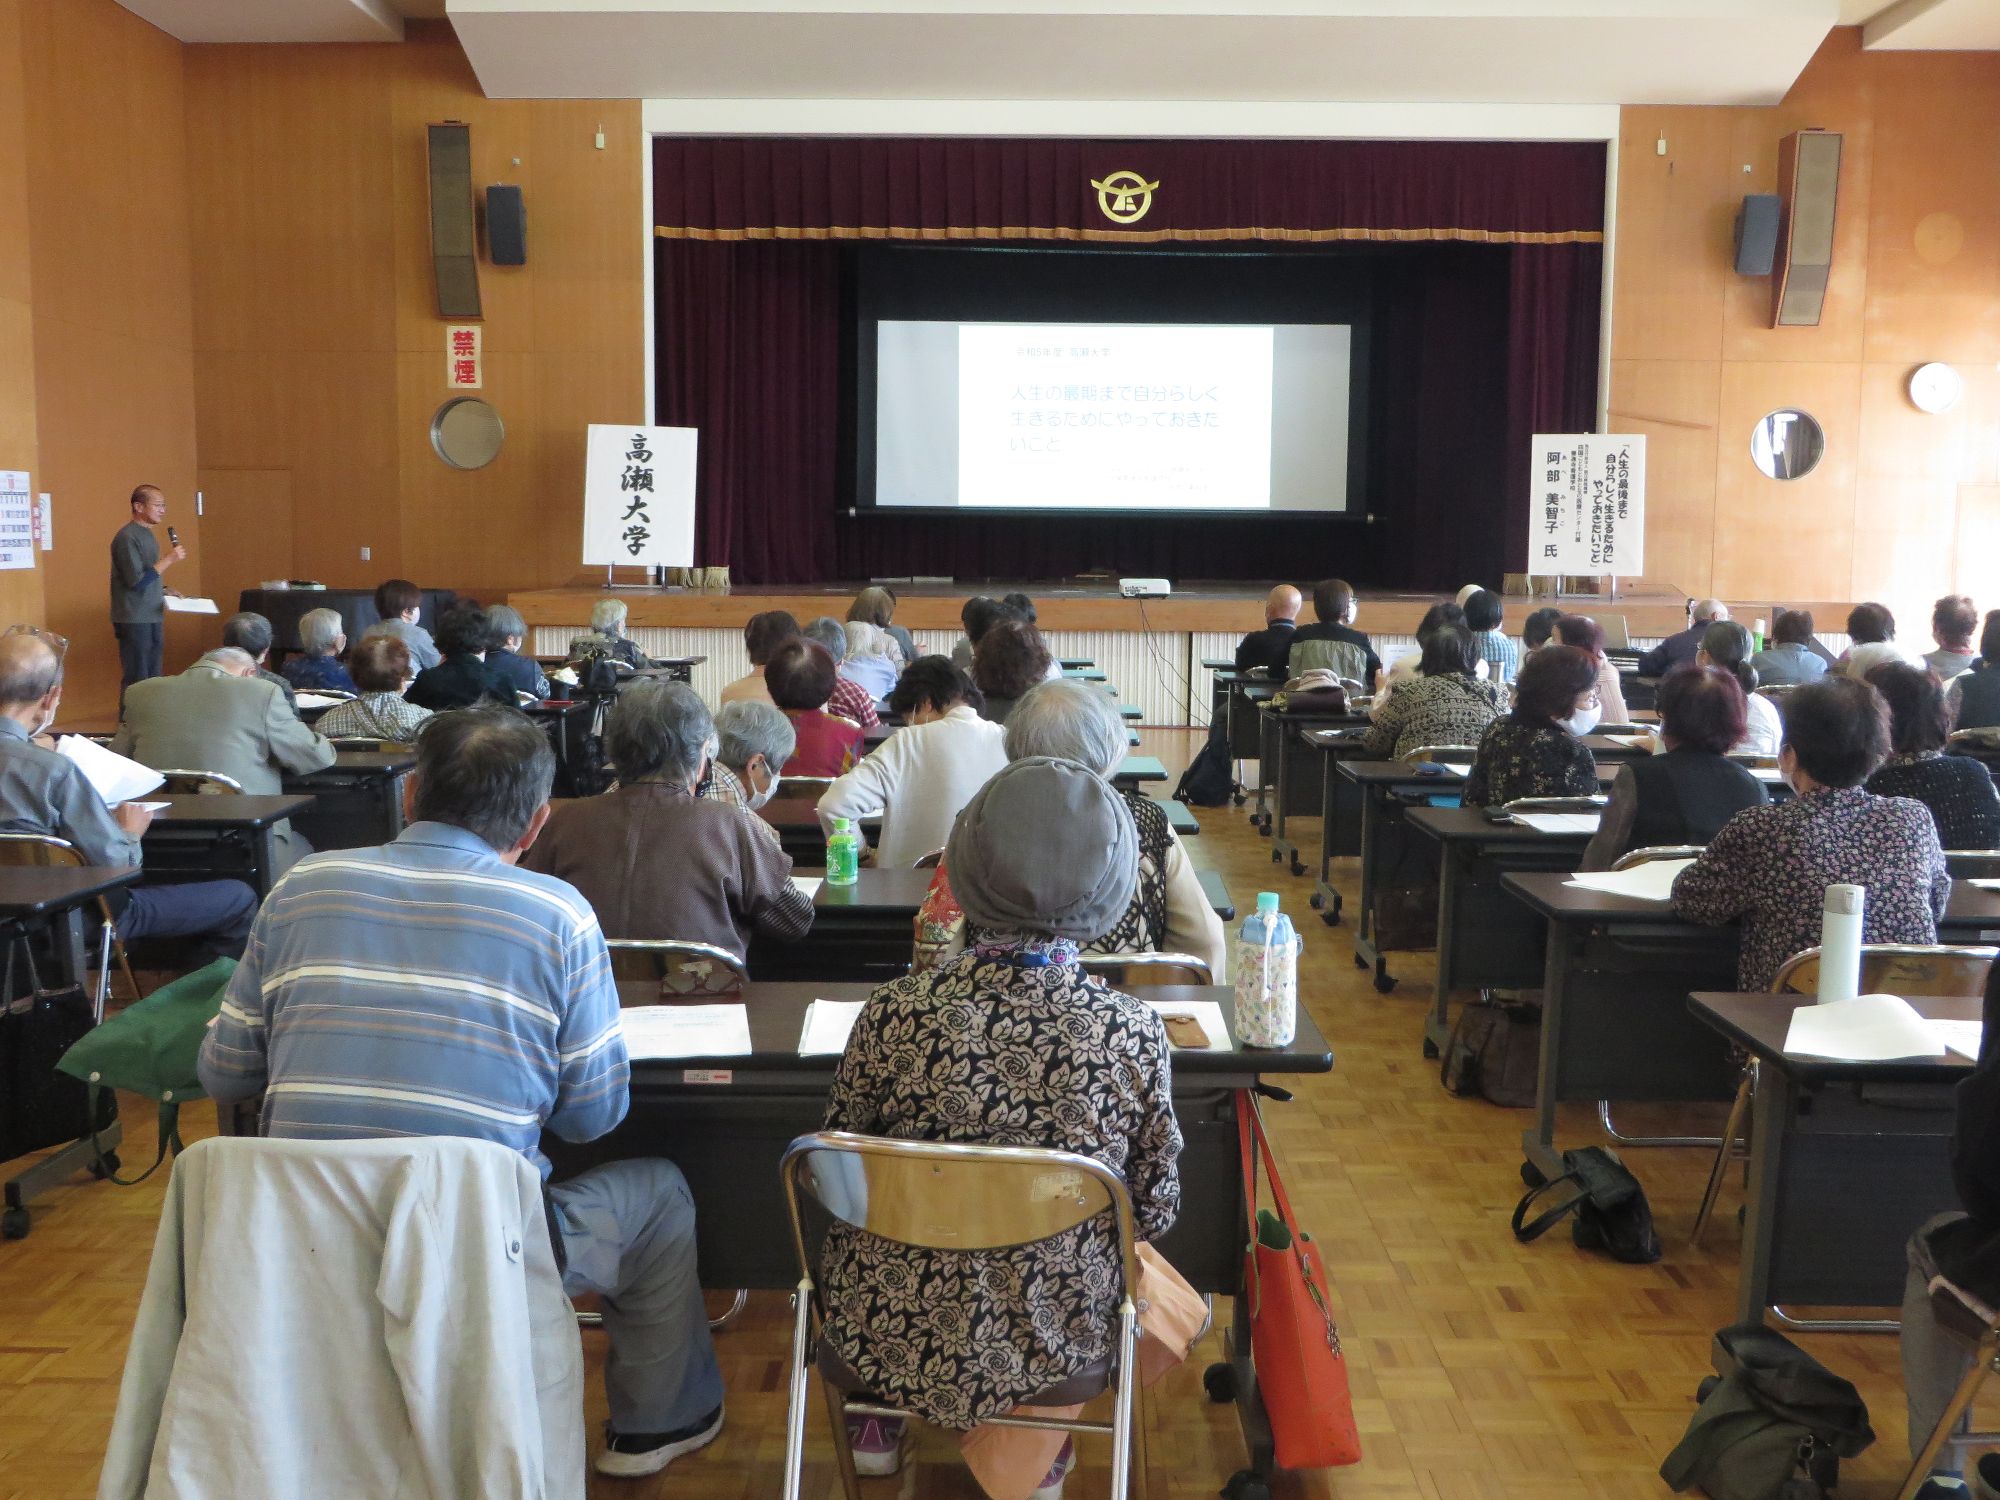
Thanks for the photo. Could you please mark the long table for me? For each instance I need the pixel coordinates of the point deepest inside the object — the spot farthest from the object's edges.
(726, 1121)
(1618, 971)
(1846, 1159)
(357, 801)
(199, 837)
(1286, 761)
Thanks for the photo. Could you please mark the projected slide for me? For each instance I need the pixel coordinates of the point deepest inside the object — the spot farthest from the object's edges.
(1112, 416)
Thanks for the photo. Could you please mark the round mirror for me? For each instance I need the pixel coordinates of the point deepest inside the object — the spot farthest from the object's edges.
(467, 433)
(1788, 444)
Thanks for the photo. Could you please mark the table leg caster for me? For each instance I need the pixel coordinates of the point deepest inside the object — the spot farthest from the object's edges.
(1297, 868)
(1219, 1380)
(1316, 900)
(1245, 1485)
(1532, 1175)
(1384, 981)
(1360, 962)
(1277, 856)
(14, 1224)
(1430, 1049)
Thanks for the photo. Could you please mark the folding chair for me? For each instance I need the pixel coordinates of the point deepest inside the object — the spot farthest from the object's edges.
(201, 783)
(928, 861)
(1972, 864)
(1442, 755)
(1139, 970)
(17, 849)
(1554, 805)
(680, 966)
(1654, 852)
(938, 1195)
(1958, 1314)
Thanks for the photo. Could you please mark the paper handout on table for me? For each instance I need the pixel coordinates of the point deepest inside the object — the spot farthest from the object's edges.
(1559, 822)
(182, 606)
(1208, 1013)
(827, 1025)
(1984, 885)
(116, 778)
(316, 700)
(1632, 741)
(1868, 1028)
(809, 885)
(1652, 881)
(653, 1032)
(1962, 1037)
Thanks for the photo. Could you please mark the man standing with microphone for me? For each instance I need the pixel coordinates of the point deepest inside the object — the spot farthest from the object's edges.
(138, 599)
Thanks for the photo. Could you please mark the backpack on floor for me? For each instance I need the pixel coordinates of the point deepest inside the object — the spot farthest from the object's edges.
(1495, 1052)
(1209, 779)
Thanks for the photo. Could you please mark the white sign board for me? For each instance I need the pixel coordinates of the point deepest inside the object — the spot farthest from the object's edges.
(1587, 516)
(17, 520)
(638, 497)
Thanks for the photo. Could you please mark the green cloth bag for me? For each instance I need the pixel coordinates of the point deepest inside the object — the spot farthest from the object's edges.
(150, 1048)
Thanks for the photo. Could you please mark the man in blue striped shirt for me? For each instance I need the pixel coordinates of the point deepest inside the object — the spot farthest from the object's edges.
(429, 987)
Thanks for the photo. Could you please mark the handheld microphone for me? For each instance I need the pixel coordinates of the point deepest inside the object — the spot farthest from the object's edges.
(173, 537)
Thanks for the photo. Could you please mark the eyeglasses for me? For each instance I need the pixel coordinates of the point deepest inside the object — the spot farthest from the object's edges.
(56, 643)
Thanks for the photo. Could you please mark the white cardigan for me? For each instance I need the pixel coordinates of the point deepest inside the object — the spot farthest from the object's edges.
(328, 1320)
(918, 779)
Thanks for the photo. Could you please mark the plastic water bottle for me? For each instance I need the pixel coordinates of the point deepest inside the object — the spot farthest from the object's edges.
(1757, 635)
(843, 853)
(1840, 942)
(1267, 976)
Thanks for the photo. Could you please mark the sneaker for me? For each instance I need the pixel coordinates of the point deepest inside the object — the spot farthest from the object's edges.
(877, 1443)
(632, 1455)
(1944, 1487)
(1052, 1482)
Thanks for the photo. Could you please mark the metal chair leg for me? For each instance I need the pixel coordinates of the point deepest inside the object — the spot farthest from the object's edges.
(843, 1447)
(1604, 1119)
(716, 1325)
(1836, 1325)
(1739, 1111)
(1948, 1423)
(795, 1391)
(1121, 1416)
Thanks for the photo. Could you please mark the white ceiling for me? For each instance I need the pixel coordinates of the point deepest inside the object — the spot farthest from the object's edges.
(283, 20)
(1936, 26)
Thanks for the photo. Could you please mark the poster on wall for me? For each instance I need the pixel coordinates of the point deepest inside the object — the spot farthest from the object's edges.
(1587, 516)
(17, 520)
(638, 497)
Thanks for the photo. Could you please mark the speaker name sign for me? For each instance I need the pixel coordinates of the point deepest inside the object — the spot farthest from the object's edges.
(638, 497)
(1587, 511)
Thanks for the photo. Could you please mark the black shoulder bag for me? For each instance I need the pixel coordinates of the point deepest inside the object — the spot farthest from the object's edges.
(1611, 1211)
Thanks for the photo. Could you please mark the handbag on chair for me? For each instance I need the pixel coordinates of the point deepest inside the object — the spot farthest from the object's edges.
(1301, 1372)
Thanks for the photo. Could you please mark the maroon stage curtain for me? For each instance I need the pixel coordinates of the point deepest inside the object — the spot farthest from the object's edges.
(1489, 306)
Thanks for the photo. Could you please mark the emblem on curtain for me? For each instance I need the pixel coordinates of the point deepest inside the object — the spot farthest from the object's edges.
(1124, 196)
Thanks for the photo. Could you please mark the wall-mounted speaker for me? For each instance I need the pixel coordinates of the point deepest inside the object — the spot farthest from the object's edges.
(454, 240)
(1809, 185)
(506, 226)
(1757, 234)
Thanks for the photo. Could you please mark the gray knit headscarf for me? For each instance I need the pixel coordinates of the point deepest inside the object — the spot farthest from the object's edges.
(1045, 848)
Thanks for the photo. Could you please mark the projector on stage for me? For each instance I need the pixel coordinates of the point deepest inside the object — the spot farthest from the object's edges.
(1144, 588)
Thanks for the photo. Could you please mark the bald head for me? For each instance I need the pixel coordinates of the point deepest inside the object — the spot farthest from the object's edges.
(1283, 603)
(1710, 609)
(30, 670)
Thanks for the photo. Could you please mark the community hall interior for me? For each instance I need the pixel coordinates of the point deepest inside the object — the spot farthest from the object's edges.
(716, 609)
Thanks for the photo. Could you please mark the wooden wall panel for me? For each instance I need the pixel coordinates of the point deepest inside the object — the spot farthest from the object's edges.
(21, 593)
(1771, 537)
(1675, 219)
(1674, 403)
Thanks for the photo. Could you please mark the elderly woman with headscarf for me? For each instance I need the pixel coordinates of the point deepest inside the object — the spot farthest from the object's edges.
(1012, 1044)
(1075, 721)
(866, 659)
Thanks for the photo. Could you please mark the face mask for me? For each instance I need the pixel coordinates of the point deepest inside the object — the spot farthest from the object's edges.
(758, 799)
(1584, 720)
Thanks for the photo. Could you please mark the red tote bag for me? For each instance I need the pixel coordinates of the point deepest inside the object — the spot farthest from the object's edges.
(1301, 1372)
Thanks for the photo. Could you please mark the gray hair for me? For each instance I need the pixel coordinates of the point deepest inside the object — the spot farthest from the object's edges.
(505, 621)
(319, 629)
(231, 659)
(659, 731)
(830, 633)
(1710, 609)
(249, 631)
(747, 729)
(487, 770)
(608, 615)
(864, 639)
(1067, 720)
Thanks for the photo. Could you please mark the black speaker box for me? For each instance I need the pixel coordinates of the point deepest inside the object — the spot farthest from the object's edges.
(506, 225)
(454, 240)
(1757, 234)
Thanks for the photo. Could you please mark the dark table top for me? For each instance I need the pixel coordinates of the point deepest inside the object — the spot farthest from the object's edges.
(1546, 893)
(1451, 825)
(196, 811)
(877, 892)
(32, 890)
(777, 1014)
(1140, 768)
(801, 812)
(1758, 1024)
(1394, 772)
(368, 763)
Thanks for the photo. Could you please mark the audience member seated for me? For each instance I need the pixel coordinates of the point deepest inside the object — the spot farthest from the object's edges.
(762, 634)
(43, 792)
(399, 602)
(463, 678)
(920, 776)
(1169, 913)
(977, 615)
(1022, 608)
(1332, 641)
(1447, 705)
(429, 987)
(801, 677)
(866, 662)
(1685, 794)
(218, 716)
(1484, 612)
(1789, 660)
(1010, 1044)
(652, 858)
(1584, 633)
(317, 668)
(1975, 692)
(381, 668)
(250, 633)
(1953, 619)
(1964, 1250)
(877, 605)
(1539, 627)
(1537, 749)
(850, 699)
(1871, 640)
(1678, 649)
(1957, 789)
(508, 631)
(752, 743)
(607, 636)
(1406, 668)
(1010, 660)
(1770, 866)
(1270, 649)
(1726, 644)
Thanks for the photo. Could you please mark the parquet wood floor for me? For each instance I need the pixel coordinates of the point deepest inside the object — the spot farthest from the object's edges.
(1482, 1370)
